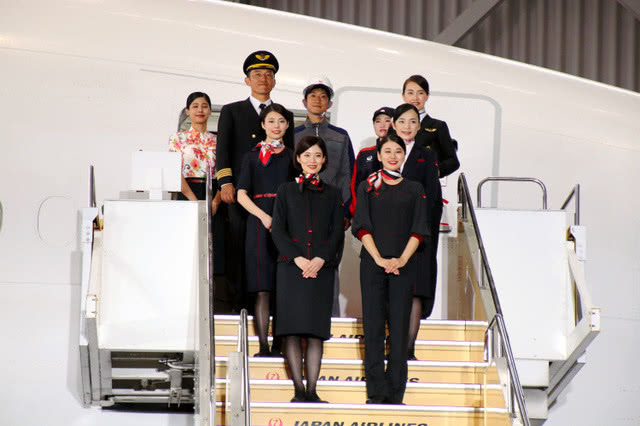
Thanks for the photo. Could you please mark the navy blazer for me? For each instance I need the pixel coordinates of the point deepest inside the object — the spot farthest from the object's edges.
(434, 134)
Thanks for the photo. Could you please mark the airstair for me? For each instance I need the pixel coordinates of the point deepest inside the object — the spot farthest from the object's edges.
(149, 336)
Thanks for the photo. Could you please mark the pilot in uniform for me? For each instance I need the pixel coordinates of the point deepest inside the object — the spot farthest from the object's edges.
(238, 133)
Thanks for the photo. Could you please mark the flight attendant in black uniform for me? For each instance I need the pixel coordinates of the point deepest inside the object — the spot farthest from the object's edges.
(308, 229)
(391, 222)
(238, 133)
(421, 166)
(367, 160)
(269, 165)
(433, 133)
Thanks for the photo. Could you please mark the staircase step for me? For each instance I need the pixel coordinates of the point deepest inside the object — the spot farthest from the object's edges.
(349, 392)
(353, 370)
(305, 414)
(227, 325)
(433, 350)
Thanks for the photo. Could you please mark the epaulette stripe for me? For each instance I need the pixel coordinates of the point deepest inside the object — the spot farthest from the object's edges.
(223, 173)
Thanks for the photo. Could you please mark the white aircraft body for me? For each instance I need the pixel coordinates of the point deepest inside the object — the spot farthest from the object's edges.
(89, 82)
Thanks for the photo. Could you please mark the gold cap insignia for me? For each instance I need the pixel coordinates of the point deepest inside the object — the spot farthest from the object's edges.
(263, 57)
(431, 130)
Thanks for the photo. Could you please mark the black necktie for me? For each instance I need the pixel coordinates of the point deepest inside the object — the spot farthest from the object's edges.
(262, 107)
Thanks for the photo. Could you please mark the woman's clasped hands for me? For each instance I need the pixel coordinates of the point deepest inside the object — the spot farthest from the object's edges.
(309, 268)
(391, 265)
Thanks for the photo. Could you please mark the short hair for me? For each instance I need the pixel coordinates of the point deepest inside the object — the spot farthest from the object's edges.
(304, 144)
(195, 95)
(419, 80)
(392, 136)
(404, 108)
(273, 107)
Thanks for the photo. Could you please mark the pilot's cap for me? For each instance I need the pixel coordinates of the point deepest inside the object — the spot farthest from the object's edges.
(318, 81)
(260, 60)
(383, 110)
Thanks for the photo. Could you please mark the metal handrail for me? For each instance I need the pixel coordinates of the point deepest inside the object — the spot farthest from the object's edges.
(212, 332)
(243, 348)
(92, 187)
(513, 179)
(574, 192)
(464, 196)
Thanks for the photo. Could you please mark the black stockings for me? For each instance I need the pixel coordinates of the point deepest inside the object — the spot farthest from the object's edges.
(414, 325)
(261, 319)
(312, 361)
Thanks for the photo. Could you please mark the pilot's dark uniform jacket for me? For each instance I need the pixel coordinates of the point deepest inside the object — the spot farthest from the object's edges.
(308, 221)
(239, 131)
(392, 214)
(365, 164)
(421, 166)
(434, 134)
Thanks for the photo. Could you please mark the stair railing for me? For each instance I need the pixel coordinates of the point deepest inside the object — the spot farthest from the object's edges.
(238, 396)
(497, 342)
(206, 351)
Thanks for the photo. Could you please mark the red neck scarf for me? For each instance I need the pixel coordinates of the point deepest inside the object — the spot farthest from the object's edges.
(309, 180)
(266, 149)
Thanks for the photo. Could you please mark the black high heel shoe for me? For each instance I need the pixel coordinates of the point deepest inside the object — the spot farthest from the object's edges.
(313, 397)
(264, 351)
(299, 396)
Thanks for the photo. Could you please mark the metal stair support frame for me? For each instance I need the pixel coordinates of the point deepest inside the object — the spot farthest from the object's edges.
(497, 341)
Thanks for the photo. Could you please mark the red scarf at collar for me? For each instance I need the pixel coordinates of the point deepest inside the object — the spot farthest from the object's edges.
(266, 149)
(310, 180)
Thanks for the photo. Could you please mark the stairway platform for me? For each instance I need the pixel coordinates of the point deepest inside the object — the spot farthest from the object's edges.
(350, 392)
(341, 370)
(307, 414)
(227, 325)
(468, 372)
(435, 350)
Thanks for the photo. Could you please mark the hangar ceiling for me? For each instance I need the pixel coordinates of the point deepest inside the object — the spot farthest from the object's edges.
(595, 39)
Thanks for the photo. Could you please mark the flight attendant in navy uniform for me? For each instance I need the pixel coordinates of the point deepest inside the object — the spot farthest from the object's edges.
(367, 160)
(308, 229)
(239, 131)
(391, 221)
(264, 169)
(433, 133)
(421, 166)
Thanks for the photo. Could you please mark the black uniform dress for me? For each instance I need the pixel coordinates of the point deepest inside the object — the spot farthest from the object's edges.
(239, 131)
(307, 222)
(421, 166)
(434, 134)
(391, 214)
(261, 183)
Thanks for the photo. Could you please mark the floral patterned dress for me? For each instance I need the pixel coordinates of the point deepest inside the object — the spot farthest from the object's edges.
(198, 151)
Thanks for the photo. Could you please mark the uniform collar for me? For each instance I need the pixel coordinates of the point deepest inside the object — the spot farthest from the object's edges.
(256, 103)
(324, 123)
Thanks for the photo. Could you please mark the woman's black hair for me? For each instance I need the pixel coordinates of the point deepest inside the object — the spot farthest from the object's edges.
(195, 95)
(277, 108)
(391, 136)
(419, 80)
(404, 108)
(273, 107)
(304, 144)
